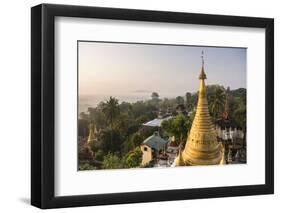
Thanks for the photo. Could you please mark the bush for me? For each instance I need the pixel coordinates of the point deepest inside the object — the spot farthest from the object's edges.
(133, 159)
(99, 155)
(86, 166)
(111, 161)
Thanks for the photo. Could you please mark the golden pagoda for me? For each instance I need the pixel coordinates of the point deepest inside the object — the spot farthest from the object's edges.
(202, 147)
(179, 160)
(92, 133)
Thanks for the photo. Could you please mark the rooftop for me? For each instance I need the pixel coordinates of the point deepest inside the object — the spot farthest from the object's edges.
(156, 122)
(155, 141)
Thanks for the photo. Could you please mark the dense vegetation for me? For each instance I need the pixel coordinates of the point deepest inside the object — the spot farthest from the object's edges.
(120, 131)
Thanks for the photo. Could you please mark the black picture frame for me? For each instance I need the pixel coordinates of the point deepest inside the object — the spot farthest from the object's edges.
(43, 110)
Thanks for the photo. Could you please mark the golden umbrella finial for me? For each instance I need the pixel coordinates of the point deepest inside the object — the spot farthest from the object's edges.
(202, 57)
(202, 73)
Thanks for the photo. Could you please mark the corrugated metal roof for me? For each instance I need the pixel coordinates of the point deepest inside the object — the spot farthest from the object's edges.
(157, 121)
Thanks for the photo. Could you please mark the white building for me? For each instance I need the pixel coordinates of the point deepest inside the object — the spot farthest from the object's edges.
(228, 131)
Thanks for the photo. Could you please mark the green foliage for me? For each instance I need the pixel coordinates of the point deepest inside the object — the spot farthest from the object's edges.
(130, 160)
(241, 92)
(188, 101)
(86, 166)
(83, 127)
(132, 142)
(180, 100)
(85, 153)
(140, 109)
(237, 106)
(192, 115)
(128, 146)
(137, 139)
(111, 161)
(237, 110)
(143, 118)
(155, 100)
(133, 158)
(97, 116)
(99, 155)
(120, 131)
(126, 125)
(240, 115)
(111, 110)
(178, 127)
(216, 101)
(211, 89)
(109, 140)
(125, 108)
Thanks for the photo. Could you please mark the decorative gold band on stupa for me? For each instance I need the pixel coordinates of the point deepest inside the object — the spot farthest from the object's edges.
(202, 147)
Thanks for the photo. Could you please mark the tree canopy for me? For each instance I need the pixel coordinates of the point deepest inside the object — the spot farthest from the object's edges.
(120, 131)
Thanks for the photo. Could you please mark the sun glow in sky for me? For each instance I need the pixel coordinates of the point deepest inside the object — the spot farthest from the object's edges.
(127, 69)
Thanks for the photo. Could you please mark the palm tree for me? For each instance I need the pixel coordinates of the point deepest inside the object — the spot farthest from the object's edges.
(217, 102)
(188, 100)
(111, 110)
(240, 115)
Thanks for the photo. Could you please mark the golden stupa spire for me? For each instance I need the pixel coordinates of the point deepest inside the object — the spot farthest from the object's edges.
(202, 147)
(92, 133)
(179, 160)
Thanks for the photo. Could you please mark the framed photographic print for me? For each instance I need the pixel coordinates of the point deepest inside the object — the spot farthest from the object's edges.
(140, 106)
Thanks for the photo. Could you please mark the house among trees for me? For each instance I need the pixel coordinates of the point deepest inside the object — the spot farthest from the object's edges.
(152, 147)
(231, 135)
(228, 131)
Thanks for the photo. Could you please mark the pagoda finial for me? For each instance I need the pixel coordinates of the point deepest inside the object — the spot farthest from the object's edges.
(202, 75)
(202, 57)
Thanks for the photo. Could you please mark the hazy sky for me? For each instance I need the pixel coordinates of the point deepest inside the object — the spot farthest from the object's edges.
(128, 69)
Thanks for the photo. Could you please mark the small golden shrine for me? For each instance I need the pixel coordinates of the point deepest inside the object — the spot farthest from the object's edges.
(92, 133)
